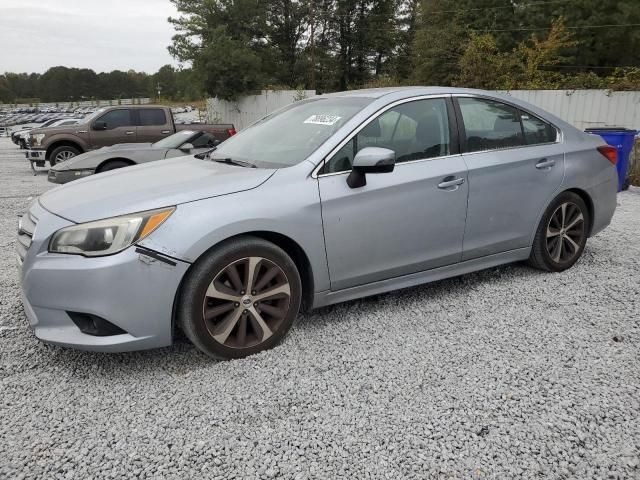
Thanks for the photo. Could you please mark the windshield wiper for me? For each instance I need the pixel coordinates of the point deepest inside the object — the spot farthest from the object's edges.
(206, 154)
(231, 161)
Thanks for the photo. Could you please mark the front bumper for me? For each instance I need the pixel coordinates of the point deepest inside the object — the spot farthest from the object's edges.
(66, 176)
(33, 154)
(130, 290)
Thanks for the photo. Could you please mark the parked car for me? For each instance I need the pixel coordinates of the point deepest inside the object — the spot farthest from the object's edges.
(185, 142)
(330, 199)
(24, 136)
(17, 136)
(109, 126)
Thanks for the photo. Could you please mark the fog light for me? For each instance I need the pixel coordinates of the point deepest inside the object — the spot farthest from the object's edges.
(94, 325)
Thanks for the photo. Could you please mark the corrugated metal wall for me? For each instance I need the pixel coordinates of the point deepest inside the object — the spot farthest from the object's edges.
(250, 108)
(587, 108)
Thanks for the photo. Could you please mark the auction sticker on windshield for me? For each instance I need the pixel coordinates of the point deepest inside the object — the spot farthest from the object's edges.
(322, 119)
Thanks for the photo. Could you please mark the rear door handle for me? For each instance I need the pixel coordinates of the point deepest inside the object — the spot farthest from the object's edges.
(164, 132)
(129, 133)
(449, 182)
(545, 164)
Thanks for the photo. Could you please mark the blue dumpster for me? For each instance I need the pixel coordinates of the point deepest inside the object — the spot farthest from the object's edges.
(622, 139)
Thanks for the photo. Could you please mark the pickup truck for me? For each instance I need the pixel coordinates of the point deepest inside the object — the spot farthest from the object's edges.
(109, 126)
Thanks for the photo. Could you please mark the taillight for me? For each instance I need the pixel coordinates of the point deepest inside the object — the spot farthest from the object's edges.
(609, 152)
(231, 131)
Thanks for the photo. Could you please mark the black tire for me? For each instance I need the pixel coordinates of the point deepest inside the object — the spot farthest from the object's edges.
(68, 149)
(547, 250)
(113, 165)
(193, 299)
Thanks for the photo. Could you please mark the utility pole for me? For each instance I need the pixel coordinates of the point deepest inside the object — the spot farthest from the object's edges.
(313, 45)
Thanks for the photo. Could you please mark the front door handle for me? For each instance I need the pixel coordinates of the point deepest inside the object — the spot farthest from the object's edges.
(129, 133)
(164, 132)
(545, 164)
(450, 183)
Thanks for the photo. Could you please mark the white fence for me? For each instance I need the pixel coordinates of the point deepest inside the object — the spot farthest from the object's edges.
(86, 103)
(587, 108)
(250, 108)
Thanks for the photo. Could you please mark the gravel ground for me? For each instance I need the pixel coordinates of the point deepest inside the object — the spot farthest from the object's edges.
(506, 373)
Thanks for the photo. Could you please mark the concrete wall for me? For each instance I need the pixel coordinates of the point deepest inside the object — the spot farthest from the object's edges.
(587, 108)
(250, 108)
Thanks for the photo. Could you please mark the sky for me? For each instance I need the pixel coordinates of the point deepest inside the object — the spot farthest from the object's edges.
(103, 35)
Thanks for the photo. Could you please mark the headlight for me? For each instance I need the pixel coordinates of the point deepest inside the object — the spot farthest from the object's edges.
(38, 138)
(106, 237)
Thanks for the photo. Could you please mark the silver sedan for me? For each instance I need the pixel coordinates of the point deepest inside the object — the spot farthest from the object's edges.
(330, 199)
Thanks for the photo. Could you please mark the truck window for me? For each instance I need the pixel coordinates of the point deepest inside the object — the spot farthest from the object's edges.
(152, 116)
(117, 118)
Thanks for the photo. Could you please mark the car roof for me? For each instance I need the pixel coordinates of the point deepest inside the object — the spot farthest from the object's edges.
(407, 91)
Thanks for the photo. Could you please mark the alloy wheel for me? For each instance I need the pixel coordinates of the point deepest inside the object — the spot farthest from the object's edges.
(246, 302)
(565, 232)
(64, 155)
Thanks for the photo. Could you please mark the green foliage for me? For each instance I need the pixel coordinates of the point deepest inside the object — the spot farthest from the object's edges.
(527, 44)
(530, 64)
(228, 67)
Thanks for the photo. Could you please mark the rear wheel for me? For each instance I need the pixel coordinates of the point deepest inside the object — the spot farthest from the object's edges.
(240, 298)
(62, 154)
(561, 235)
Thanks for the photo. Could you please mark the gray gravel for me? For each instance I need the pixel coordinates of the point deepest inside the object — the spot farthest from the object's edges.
(505, 373)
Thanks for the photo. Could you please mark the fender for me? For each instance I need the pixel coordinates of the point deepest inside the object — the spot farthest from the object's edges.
(65, 137)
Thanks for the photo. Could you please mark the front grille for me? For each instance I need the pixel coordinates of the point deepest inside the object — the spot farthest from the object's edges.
(26, 227)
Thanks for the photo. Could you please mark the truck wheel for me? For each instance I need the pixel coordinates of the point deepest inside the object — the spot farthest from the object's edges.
(62, 154)
(112, 165)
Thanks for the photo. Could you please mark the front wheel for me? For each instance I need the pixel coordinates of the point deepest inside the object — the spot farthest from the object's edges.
(62, 154)
(240, 298)
(113, 165)
(562, 234)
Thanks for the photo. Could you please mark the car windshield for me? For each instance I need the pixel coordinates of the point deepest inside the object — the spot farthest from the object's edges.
(175, 140)
(289, 136)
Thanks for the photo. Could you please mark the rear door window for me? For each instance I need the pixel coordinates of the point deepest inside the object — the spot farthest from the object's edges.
(490, 125)
(149, 117)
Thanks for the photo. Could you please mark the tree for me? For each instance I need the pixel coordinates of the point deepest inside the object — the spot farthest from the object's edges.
(224, 40)
(227, 67)
(483, 65)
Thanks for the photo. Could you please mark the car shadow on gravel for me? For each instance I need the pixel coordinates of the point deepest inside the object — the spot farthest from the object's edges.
(454, 286)
(182, 357)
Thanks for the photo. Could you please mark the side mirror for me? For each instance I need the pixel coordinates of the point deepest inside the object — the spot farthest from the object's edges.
(186, 147)
(370, 160)
(99, 125)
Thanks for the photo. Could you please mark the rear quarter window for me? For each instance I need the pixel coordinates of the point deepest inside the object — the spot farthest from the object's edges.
(537, 130)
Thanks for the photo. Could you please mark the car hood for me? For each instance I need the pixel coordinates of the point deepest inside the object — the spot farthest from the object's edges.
(152, 185)
(125, 146)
